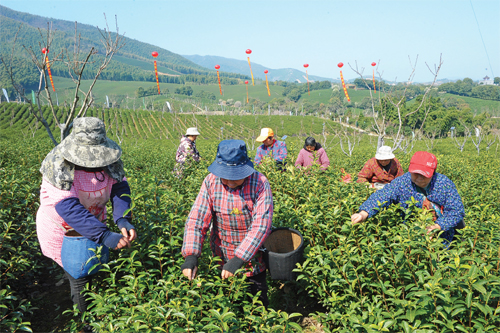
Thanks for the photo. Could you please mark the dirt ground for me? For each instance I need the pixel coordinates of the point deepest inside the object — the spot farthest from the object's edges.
(50, 294)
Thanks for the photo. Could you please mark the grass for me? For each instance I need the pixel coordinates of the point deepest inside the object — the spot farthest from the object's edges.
(65, 91)
(477, 105)
(148, 66)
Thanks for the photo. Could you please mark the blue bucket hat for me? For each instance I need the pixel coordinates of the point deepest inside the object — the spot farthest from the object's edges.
(232, 161)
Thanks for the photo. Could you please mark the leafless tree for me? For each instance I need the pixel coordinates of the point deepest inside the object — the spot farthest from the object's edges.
(429, 137)
(397, 101)
(76, 62)
(348, 139)
(460, 144)
(492, 136)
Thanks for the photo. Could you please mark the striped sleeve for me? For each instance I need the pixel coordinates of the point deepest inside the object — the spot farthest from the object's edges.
(198, 222)
(261, 224)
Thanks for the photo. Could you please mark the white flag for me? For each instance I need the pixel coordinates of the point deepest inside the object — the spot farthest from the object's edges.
(5, 94)
(169, 108)
(107, 101)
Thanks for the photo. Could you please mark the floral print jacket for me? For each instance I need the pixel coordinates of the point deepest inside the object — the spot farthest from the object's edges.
(187, 148)
(441, 191)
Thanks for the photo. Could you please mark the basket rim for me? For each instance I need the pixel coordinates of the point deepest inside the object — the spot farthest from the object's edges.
(289, 229)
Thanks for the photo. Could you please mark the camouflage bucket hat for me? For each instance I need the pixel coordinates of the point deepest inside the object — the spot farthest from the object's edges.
(88, 146)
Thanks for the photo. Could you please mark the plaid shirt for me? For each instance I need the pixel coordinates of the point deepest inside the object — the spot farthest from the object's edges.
(241, 218)
(372, 172)
(277, 151)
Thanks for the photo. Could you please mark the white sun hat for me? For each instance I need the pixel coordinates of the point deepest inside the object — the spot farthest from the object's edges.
(192, 131)
(384, 153)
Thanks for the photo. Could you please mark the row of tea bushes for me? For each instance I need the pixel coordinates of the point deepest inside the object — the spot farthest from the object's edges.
(382, 275)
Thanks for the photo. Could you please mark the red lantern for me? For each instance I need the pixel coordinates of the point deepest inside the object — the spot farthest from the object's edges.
(306, 65)
(248, 51)
(340, 65)
(246, 82)
(154, 54)
(217, 66)
(266, 71)
(373, 64)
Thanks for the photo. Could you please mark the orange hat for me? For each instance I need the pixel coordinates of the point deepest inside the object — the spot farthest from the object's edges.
(264, 134)
(423, 163)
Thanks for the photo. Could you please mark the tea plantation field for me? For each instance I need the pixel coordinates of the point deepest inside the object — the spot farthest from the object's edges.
(382, 275)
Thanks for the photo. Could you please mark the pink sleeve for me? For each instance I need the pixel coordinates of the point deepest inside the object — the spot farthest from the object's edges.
(323, 159)
(300, 160)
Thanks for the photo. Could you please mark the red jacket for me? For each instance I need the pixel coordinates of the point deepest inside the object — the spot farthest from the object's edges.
(372, 172)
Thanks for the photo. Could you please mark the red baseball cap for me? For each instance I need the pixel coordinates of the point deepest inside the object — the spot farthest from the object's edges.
(423, 163)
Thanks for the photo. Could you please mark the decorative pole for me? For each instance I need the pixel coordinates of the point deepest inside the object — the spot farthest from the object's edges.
(218, 78)
(248, 51)
(155, 54)
(46, 52)
(267, 83)
(343, 83)
(307, 78)
(373, 65)
(246, 85)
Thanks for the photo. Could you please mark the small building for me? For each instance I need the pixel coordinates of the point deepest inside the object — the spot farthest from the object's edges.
(487, 81)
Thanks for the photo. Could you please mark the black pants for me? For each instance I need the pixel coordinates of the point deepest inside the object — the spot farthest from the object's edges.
(258, 283)
(77, 286)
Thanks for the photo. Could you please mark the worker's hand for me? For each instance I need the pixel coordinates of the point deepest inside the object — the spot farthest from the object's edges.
(359, 217)
(130, 235)
(124, 242)
(225, 274)
(432, 227)
(190, 273)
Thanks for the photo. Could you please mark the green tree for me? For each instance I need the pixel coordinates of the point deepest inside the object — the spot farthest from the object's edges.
(140, 92)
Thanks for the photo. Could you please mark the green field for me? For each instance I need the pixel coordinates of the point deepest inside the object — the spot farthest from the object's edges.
(477, 105)
(148, 66)
(65, 90)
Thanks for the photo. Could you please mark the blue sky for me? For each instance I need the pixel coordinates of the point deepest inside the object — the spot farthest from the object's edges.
(287, 33)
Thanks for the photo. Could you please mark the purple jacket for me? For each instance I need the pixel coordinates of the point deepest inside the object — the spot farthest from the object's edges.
(306, 158)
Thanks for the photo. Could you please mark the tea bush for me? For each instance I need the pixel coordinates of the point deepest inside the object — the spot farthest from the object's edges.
(382, 275)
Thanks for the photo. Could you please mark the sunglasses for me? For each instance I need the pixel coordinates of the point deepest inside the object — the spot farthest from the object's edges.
(270, 137)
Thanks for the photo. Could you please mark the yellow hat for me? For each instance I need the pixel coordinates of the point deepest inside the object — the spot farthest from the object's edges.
(264, 134)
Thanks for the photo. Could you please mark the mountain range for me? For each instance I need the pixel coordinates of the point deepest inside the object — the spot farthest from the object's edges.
(133, 62)
(241, 67)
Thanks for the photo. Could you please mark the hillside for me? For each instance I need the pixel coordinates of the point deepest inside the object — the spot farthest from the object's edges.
(132, 63)
(125, 124)
(241, 67)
